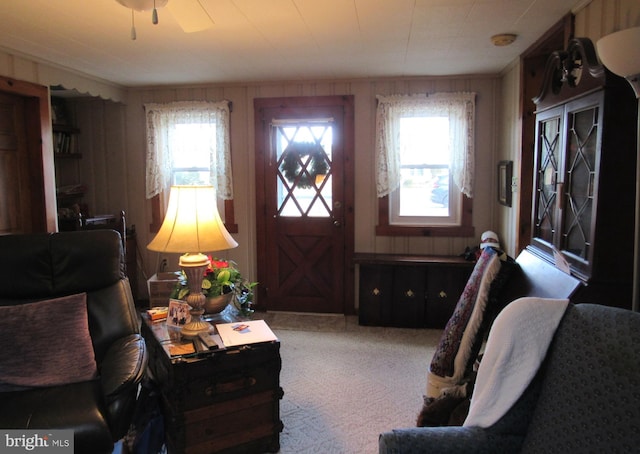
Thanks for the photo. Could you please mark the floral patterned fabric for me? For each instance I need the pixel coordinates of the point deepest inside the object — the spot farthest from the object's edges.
(161, 120)
(455, 349)
(458, 107)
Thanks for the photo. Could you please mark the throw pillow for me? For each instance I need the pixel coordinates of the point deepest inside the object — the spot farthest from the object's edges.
(46, 343)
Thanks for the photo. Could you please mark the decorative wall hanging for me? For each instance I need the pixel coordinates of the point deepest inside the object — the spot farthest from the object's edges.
(505, 172)
(302, 162)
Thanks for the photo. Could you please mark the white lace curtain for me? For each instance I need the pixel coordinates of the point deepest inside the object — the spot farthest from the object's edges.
(161, 119)
(459, 107)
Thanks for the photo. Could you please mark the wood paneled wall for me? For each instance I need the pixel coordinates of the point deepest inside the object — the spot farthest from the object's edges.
(113, 137)
(365, 91)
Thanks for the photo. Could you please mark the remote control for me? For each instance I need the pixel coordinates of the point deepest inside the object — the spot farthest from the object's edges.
(209, 340)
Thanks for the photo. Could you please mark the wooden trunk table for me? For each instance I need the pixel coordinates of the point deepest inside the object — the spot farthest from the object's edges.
(225, 401)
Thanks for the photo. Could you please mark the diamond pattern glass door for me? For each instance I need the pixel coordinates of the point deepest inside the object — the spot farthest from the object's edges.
(304, 169)
(579, 187)
(546, 185)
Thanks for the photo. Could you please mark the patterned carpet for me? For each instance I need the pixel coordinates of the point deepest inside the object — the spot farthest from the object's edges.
(344, 383)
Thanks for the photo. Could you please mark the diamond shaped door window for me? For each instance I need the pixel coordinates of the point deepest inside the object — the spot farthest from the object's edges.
(304, 169)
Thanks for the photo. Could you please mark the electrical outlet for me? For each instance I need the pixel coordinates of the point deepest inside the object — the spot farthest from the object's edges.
(514, 184)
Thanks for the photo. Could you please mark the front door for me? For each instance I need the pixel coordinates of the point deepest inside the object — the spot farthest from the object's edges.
(304, 201)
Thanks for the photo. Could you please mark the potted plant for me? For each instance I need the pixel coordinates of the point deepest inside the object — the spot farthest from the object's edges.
(222, 283)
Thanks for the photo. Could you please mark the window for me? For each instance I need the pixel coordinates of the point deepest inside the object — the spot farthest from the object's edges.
(304, 154)
(192, 145)
(425, 194)
(188, 144)
(424, 159)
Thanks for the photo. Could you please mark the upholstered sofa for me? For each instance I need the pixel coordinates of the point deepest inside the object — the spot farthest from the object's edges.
(71, 353)
(583, 398)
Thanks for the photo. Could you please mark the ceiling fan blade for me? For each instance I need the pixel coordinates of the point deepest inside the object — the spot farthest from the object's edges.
(191, 15)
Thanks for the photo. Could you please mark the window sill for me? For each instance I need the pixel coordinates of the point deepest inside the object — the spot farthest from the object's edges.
(385, 229)
(399, 230)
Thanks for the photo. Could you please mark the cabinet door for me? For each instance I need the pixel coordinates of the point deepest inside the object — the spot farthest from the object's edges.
(584, 120)
(408, 297)
(444, 287)
(548, 159)
(567, 160)
(376, 282)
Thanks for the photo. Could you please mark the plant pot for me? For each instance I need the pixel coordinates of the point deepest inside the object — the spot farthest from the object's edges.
(216, 304)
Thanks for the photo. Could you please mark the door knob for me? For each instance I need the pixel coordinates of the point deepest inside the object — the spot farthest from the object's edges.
(337, 223)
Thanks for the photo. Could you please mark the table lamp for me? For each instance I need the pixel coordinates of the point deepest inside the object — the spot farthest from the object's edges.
(192, 226)
(620, 53)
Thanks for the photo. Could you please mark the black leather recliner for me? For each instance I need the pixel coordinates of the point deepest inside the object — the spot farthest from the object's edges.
(42, 266)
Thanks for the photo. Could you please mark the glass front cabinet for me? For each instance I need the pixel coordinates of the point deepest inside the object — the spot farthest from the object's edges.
(584, 182)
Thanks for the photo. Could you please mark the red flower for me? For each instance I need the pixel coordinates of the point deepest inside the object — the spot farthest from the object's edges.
(214, 265)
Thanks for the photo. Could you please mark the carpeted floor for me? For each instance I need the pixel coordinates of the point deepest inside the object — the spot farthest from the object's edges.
(344, 383)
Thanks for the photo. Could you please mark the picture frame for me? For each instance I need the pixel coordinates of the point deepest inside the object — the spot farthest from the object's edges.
(505, 174)
(179, 313)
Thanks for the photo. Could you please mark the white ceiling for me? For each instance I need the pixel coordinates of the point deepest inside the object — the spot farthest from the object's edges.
(264, 40)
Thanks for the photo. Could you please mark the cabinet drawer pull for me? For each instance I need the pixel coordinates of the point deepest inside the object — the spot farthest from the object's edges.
(442, 294)
(409, 293)
(375, 292)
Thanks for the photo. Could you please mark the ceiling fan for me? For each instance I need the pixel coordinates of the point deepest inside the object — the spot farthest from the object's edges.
(190, 14)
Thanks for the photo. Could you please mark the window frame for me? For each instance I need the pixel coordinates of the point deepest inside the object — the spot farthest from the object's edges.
(397, 106)
(158, 207)
(385, 228)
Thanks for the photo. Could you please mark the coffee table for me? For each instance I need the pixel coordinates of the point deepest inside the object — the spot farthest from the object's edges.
(226, 400)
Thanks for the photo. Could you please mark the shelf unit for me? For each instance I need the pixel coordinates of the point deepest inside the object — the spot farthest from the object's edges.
(65, 141)
(69, 187)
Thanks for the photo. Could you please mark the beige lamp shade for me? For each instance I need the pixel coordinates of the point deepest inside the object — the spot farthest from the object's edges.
(620, 53)
(192, 223)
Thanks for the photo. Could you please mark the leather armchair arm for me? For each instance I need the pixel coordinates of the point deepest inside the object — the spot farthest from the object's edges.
(447, 440)
(121, 371)
(123, 366)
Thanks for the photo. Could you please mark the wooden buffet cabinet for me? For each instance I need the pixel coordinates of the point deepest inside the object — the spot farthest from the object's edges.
(584, 181)
(413, 291)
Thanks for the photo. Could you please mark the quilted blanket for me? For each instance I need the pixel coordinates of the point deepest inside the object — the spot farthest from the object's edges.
(455, 349)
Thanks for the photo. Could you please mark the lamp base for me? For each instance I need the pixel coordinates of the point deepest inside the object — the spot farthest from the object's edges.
(191, 329)
(194, 266)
